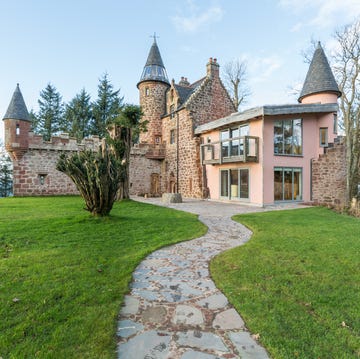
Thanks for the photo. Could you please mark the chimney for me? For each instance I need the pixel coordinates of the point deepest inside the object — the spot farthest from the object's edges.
(212, 68)
(184, 82)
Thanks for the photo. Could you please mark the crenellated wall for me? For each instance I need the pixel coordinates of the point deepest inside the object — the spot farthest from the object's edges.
(35, 172)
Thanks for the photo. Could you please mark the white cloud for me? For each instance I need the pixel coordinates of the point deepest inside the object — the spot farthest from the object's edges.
(197, 19)
(324, 13)
(262, 68)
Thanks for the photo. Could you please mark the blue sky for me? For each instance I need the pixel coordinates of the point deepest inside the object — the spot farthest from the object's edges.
(71, 43)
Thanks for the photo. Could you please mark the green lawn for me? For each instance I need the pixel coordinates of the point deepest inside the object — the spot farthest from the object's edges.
(297, 282)
(63, 274)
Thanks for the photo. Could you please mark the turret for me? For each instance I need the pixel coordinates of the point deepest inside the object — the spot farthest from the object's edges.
(152, 87)
(320, 85)
(17, 126)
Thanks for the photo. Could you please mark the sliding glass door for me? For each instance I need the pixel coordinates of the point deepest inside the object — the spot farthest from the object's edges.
(234, 183)
(287, 184)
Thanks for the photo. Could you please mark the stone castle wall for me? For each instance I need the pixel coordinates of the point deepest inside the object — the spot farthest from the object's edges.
(35, 172)
(142, 171)
(329, 176)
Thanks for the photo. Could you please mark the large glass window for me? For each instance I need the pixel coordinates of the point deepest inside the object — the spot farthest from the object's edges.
(287, 184)
(234, 183)
(234, 147)
(288, 137)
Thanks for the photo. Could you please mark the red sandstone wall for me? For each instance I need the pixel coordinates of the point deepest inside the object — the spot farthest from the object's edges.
(39, 162)
(329, 177)
(32, 165)
(140, 171)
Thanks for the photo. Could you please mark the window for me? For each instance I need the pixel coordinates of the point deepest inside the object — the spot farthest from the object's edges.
(234, 183)
(172, 111)
(288, 137)
(42, 177)
(157, 140)
(17, 129)
(147, 91)
(287, 184)
(172, 137)
(323, 137)
(234, 147)
(335, 125)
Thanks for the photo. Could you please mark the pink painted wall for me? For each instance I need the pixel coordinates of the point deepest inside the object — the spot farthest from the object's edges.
(311, 149)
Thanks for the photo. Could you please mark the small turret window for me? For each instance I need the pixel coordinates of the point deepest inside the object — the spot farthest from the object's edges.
(147, 91)
(42, 177)
(17, 129)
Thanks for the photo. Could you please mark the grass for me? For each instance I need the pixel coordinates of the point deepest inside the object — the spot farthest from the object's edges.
(63, 274)
(297, 282)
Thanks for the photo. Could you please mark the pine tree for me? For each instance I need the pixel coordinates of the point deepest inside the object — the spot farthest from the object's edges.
(78, 115)
(6, 179)
(106, 108)
(50, 116)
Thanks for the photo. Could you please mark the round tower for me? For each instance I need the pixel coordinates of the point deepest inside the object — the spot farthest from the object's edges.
(17, 126)
(320, 85)
(152, 87)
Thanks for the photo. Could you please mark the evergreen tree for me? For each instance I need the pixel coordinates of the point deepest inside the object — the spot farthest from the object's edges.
(106, 108)
(124, 132)
(78, 115)
(6, 179)
(51, 113)
(34, 121)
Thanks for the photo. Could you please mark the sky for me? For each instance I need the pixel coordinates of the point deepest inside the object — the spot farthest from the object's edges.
(72, 43)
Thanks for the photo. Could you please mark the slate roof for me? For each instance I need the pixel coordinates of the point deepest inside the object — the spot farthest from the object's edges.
(17, 109)
(154, 69)
(185, 92)
(267, 110)
(154, 57)
(319, 77)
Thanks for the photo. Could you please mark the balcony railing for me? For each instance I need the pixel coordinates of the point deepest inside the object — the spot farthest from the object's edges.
(155, 152)
(239, 149)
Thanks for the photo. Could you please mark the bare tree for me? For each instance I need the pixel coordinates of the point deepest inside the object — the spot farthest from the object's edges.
(235, 78)
(347, 72)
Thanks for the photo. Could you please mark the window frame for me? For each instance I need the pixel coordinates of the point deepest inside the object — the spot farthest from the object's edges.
(282, 143)
(301, 189)
(172, 137)
(324, 132)
(228, 190)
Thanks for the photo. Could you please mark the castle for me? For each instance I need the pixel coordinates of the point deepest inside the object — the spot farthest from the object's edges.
(197, 145)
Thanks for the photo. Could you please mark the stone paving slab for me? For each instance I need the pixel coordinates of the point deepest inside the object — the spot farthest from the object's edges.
(174, 309)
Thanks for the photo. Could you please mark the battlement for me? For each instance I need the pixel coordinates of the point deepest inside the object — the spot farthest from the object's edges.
(63, 142)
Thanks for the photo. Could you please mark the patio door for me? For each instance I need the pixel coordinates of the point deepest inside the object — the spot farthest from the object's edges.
(234, 183)
(287, 184)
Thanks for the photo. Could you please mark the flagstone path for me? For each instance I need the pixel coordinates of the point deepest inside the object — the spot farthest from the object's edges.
(174, 309)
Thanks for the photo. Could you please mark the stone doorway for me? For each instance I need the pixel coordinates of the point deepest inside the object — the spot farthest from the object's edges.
(172, 183)
(155, 184)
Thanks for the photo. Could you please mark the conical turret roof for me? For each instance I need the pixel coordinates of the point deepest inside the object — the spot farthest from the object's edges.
(319, 77)
(17, 109)
(154, 69)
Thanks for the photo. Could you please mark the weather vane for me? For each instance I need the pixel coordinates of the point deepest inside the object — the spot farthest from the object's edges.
(154, 36)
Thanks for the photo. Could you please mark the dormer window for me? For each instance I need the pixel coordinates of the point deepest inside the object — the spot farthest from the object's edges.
(172, 111)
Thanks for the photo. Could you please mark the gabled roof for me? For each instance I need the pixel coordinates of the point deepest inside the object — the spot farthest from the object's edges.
(267, 110)
(185, 92)
(319, 77)
(17, 109)
(154, 69)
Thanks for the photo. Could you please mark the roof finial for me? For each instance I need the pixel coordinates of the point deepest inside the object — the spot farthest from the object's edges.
(154, 36)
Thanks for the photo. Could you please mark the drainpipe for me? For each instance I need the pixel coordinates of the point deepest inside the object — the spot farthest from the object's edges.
(177, 152)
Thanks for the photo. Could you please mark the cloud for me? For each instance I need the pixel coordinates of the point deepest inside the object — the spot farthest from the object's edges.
(197, 19)
(262, 68)
(324, 13)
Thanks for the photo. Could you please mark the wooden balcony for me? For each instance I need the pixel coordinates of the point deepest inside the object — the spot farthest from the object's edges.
(155, 152)
(239, 149)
